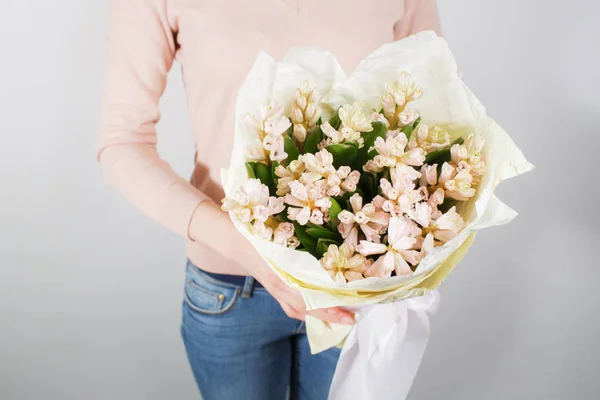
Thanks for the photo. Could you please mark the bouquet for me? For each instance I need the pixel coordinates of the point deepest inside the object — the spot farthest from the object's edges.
(364, 192)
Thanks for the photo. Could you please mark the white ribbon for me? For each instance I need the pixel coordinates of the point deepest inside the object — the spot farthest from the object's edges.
(383, 351)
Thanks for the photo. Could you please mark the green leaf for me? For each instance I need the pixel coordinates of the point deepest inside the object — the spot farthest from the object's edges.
(368, 183)
(335, 121)
(407, 130)
(250, 170)
(447, 204)
(416, 123)
(309, 242)
(442, 155)
(291, 149)
(379, 130)
(324, 234)
(312, 141)
(323, 245)
(343, 154)
(334, 211)
(263, 172)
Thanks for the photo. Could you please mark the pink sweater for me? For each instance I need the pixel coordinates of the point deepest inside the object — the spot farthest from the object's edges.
(216, 42)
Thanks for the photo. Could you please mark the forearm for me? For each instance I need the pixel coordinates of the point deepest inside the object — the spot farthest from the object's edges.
(213, 228)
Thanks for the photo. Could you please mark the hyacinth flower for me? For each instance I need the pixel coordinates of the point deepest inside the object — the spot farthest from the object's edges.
(269, 127)
(398, 93)
(429, 139)
(308, 202)
(284, 235)
(400, 194)
(372, 222)
(456, 181)
(392, 150)
(468, 155)
(252, 204)
(320, 170)
(442, 226)
(285, 175)
(353, 122)
(343, 264)
(305, 112)
(399, 252)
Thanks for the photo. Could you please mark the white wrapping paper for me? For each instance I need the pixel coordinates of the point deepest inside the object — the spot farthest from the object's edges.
(446, 101)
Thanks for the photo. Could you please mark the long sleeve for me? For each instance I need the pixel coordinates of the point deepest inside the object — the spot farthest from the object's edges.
(140, 53)
(419, 15)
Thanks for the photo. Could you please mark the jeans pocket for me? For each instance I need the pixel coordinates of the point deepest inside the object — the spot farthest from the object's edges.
(208, 296)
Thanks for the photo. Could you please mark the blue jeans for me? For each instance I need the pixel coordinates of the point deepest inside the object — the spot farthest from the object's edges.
(241, 345)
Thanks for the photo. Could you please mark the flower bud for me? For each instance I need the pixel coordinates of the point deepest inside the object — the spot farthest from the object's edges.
(297, 115)
(300, 133)
(301, 102)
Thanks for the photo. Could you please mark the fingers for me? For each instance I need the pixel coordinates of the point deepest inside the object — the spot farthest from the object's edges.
(402, 28)
(334, 314)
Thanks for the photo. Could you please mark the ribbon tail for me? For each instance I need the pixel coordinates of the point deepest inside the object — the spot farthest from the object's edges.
(389, 372)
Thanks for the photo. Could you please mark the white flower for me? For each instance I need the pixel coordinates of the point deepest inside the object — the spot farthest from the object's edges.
(252, 202)
(470, 154)
(353, 117)
(371, 221)
(309, 202)
(398, 93)
(398, 253)
(459, 187)
(305, 112)
(343, 264)
(345, 135)
(429, 139)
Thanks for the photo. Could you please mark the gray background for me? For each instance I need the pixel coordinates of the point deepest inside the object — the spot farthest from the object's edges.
(90, 289)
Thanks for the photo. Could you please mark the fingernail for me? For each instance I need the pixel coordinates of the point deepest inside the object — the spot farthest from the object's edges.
(347, 320)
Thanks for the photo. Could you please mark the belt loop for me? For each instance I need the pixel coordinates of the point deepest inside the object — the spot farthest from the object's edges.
(248, 287)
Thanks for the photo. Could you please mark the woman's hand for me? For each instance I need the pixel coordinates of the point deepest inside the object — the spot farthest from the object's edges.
(212, 227)
(291, 300)
(419, 15)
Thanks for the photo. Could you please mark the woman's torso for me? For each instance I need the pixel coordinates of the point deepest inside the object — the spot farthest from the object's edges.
(218, 42)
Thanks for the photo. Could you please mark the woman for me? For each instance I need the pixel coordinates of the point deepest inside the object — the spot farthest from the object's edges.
(242, 327)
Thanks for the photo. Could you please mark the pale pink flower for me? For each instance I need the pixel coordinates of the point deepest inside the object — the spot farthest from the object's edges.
(392, 151)
(288, 174)
(470, 153)
(407, 117)
(261, 230)
(459, 187)
(252, 202)
(344, 135)
(445, 227)
(343, 264)
(269, 127)
(308, 202)
(376, 116)
(293, 242)
(350, 183)
(371, 221)
(320, 169)
(305, 112)
(398, 253)
(283, 232)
